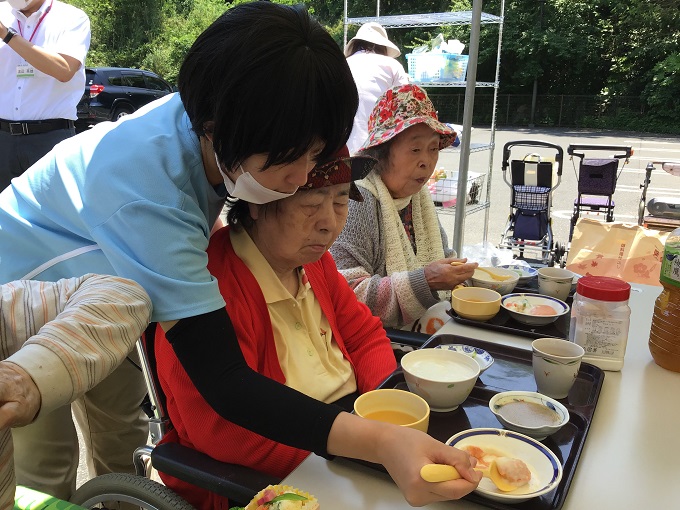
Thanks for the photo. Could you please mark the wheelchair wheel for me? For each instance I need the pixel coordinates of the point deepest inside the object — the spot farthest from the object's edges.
(110, 490)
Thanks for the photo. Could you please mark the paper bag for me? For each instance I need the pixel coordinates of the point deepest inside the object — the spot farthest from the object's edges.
(621, 250)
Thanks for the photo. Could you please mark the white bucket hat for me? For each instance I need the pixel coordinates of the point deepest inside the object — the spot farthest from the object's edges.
(374, 33)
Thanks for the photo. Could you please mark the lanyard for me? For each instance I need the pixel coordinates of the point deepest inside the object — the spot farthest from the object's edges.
(47, 11)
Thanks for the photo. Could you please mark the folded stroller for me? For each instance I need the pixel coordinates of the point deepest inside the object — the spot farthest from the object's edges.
(597, 180)
(532, 181)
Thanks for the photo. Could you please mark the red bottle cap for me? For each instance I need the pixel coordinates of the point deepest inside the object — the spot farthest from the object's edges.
(603, 288)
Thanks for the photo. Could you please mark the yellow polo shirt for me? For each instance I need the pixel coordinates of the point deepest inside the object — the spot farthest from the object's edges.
(310, 361)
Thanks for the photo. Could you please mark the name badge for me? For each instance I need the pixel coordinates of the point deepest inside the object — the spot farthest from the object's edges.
(25, 71)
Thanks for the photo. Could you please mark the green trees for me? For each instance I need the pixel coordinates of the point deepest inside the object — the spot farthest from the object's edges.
(150, 34)
(610, 48)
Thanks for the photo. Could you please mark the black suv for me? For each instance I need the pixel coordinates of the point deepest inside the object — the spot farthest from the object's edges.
(113, 92)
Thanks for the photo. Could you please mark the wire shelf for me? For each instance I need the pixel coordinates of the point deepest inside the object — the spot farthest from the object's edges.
(469, 209)
(425, 20)
(425, 84)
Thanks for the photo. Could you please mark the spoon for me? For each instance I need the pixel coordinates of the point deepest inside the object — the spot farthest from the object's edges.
(495, 276)
(444, 472)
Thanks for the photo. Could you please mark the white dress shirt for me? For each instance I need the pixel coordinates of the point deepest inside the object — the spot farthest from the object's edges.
(373, 74)
(65, 30)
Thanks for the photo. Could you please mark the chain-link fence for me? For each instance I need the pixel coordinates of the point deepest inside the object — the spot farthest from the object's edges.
(551, 110)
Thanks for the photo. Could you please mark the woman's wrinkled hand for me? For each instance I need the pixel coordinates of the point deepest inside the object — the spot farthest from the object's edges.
(445, 274)
(19, 396)
(404, 451)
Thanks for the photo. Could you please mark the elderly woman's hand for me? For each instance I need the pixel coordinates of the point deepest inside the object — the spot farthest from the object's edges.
(19, 396)
(404, 451)
(445, 274)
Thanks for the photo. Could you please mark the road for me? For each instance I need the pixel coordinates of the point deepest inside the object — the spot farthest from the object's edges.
(647, 148)
(627, 196)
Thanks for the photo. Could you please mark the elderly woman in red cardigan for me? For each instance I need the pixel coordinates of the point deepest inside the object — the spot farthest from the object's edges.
(296, 319)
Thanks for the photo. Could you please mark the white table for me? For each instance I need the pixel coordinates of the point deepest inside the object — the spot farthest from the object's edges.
(631, 459)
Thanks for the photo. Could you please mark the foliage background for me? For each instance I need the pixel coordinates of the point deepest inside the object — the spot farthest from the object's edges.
(605, 48)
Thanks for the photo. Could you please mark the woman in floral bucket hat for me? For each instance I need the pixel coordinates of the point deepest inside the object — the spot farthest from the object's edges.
(404, 272)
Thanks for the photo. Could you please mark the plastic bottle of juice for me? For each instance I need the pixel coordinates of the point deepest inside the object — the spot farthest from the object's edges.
(664, 337)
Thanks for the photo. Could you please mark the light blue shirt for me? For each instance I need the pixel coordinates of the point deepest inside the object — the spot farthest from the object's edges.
(129, 198)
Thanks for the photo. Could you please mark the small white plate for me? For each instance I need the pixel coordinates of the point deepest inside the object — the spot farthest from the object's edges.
(482, 357)
(545, 467)
(526, 273)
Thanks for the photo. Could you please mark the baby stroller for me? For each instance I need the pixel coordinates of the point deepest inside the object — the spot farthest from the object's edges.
(597, 180)
(532, 181)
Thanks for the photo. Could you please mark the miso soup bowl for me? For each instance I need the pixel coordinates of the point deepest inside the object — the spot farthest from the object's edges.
(531, 408)
(475, 303)
(443, 378)
(385, 404)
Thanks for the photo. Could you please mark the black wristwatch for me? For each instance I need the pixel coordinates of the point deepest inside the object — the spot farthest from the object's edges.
(10, 33)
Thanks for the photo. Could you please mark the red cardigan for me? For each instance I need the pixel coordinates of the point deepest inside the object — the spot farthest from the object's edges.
(359, 335)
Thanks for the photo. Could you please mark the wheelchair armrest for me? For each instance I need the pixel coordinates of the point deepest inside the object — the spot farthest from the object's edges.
(238, 483)
(411, 338)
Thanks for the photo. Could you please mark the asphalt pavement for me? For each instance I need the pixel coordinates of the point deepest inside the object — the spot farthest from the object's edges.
(647, 148)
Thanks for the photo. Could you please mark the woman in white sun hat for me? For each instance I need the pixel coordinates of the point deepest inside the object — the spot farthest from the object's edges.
(372, 59)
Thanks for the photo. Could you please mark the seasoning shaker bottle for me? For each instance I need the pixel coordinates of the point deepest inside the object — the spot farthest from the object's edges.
(600, 318)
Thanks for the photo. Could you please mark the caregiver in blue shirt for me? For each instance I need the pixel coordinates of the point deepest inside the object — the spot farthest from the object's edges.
(264, 93)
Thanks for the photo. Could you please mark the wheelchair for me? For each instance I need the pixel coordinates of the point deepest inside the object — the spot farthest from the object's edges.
(238, 483)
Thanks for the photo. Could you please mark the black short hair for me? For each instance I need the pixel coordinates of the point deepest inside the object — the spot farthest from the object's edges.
(238, 215)
(273, 81)
(361, 45)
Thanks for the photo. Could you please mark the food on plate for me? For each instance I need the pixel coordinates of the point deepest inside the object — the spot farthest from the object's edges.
(281, 497)
(524, 306)
(529, 414)
(514, 472)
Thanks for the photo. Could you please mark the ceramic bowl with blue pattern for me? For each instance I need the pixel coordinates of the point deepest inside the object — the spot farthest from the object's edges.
(526, 273)
(529, 412)
(482, 357)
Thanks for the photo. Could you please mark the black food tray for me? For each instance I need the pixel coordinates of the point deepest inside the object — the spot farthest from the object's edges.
(504, 322)
(512, 370)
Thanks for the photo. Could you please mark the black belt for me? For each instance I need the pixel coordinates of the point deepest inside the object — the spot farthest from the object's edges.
(34, 127)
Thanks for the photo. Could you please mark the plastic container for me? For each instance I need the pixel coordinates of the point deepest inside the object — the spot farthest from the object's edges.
(444, 67)
(600, 318)
(664, 336)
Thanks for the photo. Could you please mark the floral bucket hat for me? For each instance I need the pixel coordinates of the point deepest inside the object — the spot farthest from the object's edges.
(398, 109)
(341, 169)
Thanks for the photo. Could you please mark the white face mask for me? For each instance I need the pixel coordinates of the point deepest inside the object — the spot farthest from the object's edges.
(248, 189)
(18, 4)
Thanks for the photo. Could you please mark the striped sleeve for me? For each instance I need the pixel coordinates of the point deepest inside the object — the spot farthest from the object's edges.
(71, 334)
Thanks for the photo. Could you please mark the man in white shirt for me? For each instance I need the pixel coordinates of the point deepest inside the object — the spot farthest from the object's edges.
(42, 57)
(372, 59)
